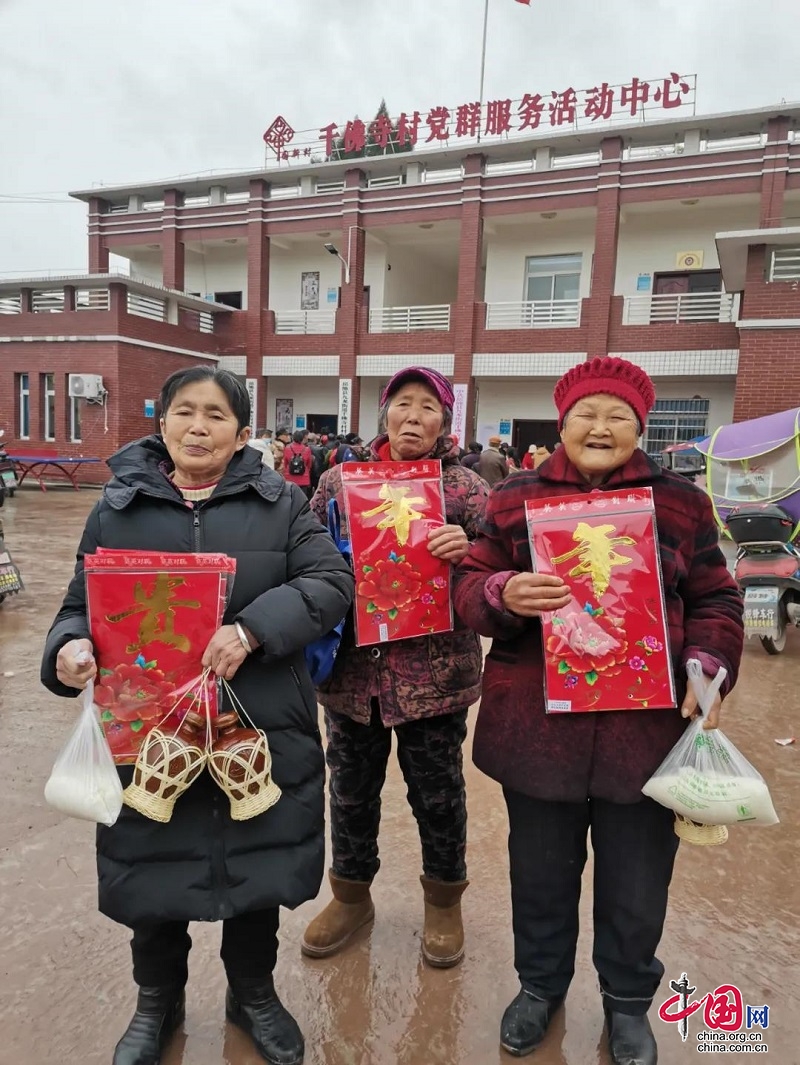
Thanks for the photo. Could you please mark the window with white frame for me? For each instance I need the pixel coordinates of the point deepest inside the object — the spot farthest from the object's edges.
(675, 421)
(49, 405)
(553, 277)
(24, 406)
(75, 419)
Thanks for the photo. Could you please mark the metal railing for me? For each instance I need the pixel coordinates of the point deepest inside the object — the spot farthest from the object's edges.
(11, 304)
(680, 307)
(533, 314)
(784, 264)
(147, 307)
(199, 321)
(305, 322)
(434, 316)
(92, 299)
(48, 302)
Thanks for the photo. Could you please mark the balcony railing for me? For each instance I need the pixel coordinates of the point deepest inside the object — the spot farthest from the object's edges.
(536, 314)
(147, 307)
(434, 316)
(680, 307)
(305, 322)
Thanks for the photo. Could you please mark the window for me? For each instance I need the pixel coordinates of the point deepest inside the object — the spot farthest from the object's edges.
(49, 405)
(230, 299)
(675, 421)
(73, 414)
(24, 406)
(552, 277)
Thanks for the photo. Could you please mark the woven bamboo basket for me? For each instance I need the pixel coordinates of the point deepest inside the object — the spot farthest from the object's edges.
(167, 765)
(700, 835)
(241, 763)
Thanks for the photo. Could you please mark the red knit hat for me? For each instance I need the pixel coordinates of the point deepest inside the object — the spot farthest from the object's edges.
(616, 377)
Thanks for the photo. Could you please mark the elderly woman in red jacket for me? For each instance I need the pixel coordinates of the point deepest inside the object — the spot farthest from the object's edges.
(567, 775)
(420, 688)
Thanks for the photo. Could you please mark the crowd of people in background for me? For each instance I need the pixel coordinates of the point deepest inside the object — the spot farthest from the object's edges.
(302, 457)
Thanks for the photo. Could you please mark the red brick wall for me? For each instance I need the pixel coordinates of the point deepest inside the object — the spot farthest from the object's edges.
(130, 374)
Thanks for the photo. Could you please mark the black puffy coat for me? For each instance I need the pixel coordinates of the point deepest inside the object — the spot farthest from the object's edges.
(291, 587)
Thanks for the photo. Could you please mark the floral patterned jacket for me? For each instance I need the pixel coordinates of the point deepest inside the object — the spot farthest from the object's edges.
(426, 675)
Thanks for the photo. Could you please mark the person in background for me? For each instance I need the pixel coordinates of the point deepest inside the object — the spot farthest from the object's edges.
(512, 459)
(263, 444)
(419, 688)
(534, 457)
(567, 775)
(492, 465)
(282, 438)
(297, 462)
(470, 460)
(350, 449)
(318, 456)
(291, 586)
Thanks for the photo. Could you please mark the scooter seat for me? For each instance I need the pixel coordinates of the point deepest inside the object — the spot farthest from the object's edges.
(784, 566)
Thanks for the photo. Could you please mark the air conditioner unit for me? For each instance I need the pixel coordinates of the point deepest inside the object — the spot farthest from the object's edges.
(85, 386)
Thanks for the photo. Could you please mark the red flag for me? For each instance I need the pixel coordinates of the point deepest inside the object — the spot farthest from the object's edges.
(527, 2)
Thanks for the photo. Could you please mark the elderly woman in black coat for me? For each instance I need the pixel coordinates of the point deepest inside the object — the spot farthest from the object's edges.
(197, 487)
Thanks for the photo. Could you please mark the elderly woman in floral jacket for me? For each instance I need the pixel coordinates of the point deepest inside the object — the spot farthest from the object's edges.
(421, 688)
(565, 775)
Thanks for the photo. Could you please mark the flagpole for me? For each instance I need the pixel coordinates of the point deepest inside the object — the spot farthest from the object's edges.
(483, 57)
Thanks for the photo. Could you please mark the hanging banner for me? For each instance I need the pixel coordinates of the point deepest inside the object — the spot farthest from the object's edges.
(460, 414)
(345, 395)
(251, 384)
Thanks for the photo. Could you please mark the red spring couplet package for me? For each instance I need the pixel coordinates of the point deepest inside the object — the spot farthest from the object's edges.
(151, 616)
(609, 648)
(401, 589)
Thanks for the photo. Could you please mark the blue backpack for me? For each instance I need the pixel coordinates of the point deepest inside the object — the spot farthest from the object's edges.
(321, 654)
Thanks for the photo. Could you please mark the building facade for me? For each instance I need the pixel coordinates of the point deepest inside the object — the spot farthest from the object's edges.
(674, 243)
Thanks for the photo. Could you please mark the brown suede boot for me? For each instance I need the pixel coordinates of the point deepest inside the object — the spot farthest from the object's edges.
(350, 909)
(443, 934)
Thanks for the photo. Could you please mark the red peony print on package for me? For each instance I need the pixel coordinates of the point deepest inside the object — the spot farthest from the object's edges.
(151, 616)
(608, 649)
(401, 589)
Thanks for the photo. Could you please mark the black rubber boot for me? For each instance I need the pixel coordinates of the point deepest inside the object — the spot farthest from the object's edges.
(159, 1011)
(254, 1006)
(525, 1023)
(630, 1039)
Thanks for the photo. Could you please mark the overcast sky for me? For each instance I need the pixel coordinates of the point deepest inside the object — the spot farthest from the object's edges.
(115, 91)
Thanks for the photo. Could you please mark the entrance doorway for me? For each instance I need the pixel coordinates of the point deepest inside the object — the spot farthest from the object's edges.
(675, 284)
(322, 423)
(525, 432)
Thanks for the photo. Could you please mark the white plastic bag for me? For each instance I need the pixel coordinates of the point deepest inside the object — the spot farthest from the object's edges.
(704, 777)
(84, 782)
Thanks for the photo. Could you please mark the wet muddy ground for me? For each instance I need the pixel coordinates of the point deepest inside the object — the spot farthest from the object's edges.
(66, 987)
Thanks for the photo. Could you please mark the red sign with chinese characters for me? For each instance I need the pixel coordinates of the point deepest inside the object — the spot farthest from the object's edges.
(608, 649)
(555, 110)
(151, 617)
(401, 589)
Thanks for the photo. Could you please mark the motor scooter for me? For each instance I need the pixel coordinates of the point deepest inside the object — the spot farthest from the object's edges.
(767, 570)
(8, 471)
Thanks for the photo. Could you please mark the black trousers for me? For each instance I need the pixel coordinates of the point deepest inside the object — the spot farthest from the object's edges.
(249, 949)
(429, 753)
(634, 852)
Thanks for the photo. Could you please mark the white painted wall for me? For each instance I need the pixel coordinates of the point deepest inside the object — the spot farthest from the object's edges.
(417, 279)
(532, 399)
(217, 270)
(506, 254)
(286, 267)
(146, 266)
(311, 395)
(650, 243)
(371, 388)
